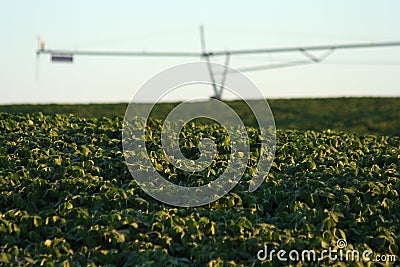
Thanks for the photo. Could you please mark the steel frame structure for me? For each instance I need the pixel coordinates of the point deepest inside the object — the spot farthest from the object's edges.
(64, 55)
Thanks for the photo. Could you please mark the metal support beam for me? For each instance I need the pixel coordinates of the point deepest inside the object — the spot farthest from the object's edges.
(309, 48)
(207, 58)
(223, 79)
(314, 58)
(118, 53)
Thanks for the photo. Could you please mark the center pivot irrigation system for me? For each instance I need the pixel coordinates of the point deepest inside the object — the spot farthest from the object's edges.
(63, 55)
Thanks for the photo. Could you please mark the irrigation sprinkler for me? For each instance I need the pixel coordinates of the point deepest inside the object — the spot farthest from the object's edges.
(63, 55)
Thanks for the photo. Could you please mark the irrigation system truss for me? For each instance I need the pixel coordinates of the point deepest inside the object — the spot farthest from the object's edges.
(63, 55)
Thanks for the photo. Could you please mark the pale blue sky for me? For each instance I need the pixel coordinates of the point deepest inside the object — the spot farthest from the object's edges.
(173, 26)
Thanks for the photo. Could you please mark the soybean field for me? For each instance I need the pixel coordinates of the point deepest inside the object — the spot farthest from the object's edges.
(67, 197)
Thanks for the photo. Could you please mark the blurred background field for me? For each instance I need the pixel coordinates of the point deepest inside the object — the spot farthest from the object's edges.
(361, 115)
